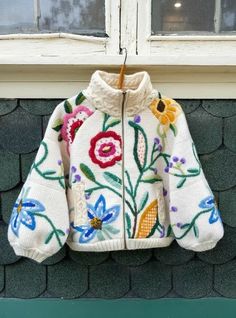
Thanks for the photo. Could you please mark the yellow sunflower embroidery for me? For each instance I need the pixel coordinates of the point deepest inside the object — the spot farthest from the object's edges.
(166, 111)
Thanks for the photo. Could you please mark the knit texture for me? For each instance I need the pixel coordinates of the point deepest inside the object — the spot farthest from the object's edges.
(131, 182)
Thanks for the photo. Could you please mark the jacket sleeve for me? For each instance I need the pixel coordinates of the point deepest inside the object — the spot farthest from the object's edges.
(193, 212)
(39, 221)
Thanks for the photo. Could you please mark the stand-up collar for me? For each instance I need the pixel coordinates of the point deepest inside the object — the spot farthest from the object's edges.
(103, 93)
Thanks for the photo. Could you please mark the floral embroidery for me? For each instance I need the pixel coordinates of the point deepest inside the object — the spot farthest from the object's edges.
(166, 110)
(99, 221)
(209, 202)
(72, 122)
(26, 210)
(147, 173)
(209, 205)
(105, 148)
(23, 213)
(178, 163)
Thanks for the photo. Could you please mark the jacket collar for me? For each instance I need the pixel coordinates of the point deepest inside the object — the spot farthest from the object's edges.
(103, 94)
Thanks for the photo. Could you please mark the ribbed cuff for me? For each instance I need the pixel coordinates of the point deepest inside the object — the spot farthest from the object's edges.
(32, 253)
(201, 247)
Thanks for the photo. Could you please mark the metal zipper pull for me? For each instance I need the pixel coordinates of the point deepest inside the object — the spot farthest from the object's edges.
(123, 166)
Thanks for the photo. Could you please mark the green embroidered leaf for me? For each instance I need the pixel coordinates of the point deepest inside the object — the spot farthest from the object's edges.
(192, 170)
(181, 183)
(111, 229)
(60, 232)
(153, 229)
(139, 132)
(100, 235)
(184, 226)
(87, 172)
(68, 107)
(112, 123)
(143, 201)
(128, 220)
(49, 237)
(169, 230)
(128, 223)
(196, 230)
(152, 179)
(112, 179)
(79, 99)
(174, 129)
(49, 172)
(57, 124)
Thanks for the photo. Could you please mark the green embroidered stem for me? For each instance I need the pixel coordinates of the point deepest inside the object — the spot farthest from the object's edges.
(162, 135)
(106, 117)
(103, 186)
(129, 181)
(52, 225)
(192, 223)
(47, 174)
(112, 123)
(164, 155)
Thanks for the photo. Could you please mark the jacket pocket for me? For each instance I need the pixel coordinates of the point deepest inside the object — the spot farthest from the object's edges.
(161, 207)
(79, 204)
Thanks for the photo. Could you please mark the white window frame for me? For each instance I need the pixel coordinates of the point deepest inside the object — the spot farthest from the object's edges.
(56, 48)
(58, 65)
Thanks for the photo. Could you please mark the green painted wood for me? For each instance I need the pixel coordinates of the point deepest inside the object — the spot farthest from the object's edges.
(166, 308)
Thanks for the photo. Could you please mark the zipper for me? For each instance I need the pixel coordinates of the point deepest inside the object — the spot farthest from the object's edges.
(123, 166)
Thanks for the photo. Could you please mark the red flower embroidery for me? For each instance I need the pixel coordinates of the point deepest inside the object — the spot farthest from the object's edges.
(105, 148)
(72, 122)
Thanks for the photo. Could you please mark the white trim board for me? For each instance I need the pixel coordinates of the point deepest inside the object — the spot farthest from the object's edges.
(64, 81)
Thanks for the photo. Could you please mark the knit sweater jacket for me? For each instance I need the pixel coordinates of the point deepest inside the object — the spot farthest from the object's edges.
(115, 170)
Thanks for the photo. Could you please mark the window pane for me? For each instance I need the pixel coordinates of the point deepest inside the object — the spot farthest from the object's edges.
(193, 16)
(74, 16)
(228, 21)
(171, 16)
(17, 16)
(35, 16)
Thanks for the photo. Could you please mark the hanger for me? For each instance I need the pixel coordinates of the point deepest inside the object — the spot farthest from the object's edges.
(123, 69)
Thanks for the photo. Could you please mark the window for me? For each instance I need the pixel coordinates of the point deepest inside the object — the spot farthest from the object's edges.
(193, 16)
(40, 16)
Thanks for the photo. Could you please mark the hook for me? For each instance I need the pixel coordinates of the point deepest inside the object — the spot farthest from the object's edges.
(123, 68)
(126, 53)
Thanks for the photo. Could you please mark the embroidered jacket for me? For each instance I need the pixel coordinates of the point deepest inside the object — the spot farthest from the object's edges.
(116, 169)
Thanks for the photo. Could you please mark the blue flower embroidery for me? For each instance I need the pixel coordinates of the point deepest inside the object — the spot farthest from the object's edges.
(23, 213)
(208, 203)
(99, 221)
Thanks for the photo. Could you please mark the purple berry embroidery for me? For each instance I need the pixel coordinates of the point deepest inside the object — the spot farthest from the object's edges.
(73, 169)
(156, 141)
(137, 119)
(164, 192)
(166, 169)
(174, 209)
(77, 177)
(175, 159)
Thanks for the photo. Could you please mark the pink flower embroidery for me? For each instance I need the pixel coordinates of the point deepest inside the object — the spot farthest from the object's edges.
(105, 149)
(72, 122)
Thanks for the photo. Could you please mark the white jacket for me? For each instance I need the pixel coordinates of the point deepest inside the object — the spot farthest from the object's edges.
(116, 169)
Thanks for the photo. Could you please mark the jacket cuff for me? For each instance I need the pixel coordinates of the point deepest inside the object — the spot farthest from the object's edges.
(32, 253)
(201, 247)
